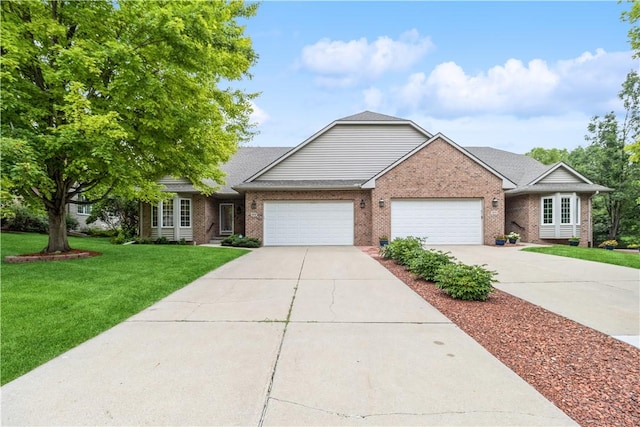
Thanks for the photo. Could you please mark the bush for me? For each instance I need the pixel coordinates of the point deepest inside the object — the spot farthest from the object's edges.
(466, 282)
(25, 219)
(425, 264)
(120, 239)
(99, 232)
(72, 223)
(161, 241)
(144, 241)
(402, 250)
(241, 242)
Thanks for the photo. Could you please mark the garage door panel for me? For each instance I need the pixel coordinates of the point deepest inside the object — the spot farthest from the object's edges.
(453, 221)
(308, 223)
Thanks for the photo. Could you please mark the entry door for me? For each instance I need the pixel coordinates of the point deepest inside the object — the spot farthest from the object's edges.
(226, 219)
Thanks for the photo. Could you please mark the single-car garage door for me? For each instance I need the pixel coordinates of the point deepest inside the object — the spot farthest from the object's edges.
(441, 221)
(308, 223)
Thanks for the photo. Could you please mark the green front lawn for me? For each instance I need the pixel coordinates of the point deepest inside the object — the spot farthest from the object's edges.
(50, 307)
(625, 259)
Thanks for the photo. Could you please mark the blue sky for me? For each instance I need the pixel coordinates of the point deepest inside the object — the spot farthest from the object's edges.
(511, 75)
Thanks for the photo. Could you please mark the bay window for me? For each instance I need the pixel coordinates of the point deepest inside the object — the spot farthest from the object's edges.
(559, 216)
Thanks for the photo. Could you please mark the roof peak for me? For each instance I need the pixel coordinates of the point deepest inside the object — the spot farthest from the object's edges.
(369, 116)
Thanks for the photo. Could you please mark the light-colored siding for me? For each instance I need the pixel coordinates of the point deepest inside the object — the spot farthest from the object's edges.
(168, 180)
(560, 175)
(348, 152)
(564, 231)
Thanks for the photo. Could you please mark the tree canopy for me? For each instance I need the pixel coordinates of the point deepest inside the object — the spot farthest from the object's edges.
(548, 156)
(105, 97)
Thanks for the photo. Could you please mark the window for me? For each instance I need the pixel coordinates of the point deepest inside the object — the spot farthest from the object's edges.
(185, 212)
(568, 212)
(547, 210)
(167, 214)
(154, 216)
(83, 209)
(565, 210)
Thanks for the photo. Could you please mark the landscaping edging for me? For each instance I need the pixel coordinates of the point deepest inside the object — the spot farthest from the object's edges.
(12, 259)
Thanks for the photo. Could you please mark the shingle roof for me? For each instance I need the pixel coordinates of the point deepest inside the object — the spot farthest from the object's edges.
(518, 168)
(369, 116)
(559, 188)
(246, 162)
(325, 184)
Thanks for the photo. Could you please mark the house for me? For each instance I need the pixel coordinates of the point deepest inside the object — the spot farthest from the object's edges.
(371, 175)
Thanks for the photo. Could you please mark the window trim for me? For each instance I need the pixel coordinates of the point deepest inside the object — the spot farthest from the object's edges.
(542, 206)
(83, 209)
(190, 217)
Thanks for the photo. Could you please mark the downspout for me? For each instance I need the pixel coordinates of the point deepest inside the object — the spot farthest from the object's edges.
(590, 231)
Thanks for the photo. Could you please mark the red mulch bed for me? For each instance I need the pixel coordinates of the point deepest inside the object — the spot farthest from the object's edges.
(592, 377)
(59, 256)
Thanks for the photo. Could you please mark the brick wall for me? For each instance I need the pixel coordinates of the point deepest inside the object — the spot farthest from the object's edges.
(525, 210)
(362, 217)
(439, 170)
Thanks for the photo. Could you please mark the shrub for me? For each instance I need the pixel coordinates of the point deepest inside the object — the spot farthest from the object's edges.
(425, 264)
(402, 250)
(466, 282)
(72, 223)
(161, 241)
(99, 232)
(606, 243)
(241, 242)
(25, 219)
(119, 239)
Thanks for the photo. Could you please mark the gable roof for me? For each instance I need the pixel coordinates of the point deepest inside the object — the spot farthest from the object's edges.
(520, 169)
(506, 182)
(528, 173)
(367, 145)
(242, 164)
(246, 162)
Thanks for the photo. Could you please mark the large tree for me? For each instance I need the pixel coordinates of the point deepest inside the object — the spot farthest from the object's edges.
(548, 156)
(104, 97)
(632, 16)
(606, 161)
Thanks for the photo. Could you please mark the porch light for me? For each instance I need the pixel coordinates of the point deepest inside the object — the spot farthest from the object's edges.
(381, 203)
(253, 204)
(362, 204)
(494, 202)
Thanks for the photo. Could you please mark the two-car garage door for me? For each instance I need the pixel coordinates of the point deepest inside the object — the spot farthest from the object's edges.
(306, 223)
(441, 221)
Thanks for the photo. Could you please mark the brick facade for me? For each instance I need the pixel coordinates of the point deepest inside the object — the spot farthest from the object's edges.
(362, 216)
(440, 170)
(525, 212)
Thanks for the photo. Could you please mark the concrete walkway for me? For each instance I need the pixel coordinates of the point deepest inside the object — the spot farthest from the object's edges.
(601, 296)
(281, 336)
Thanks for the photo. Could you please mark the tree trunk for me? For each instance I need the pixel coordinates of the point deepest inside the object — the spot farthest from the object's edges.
(58, 241)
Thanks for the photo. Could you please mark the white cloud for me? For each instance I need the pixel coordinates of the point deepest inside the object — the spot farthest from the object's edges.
(346, 62)
(508, 132)
(258, 115)
(587, 83)
(373, 98)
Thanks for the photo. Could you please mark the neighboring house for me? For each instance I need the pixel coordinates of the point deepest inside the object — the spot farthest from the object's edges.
(371, 175)
(82, 212)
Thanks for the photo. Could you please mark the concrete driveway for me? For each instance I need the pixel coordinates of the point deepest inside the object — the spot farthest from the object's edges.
(281, 336)
(601, 296)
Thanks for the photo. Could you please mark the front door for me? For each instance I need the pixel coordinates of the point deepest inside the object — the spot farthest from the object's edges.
(226, 219)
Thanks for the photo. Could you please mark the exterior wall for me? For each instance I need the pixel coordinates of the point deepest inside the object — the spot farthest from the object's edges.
(348, 151)
(439, 171)
(362, 216)
(522, 216)
(203, 218)
(525, 210)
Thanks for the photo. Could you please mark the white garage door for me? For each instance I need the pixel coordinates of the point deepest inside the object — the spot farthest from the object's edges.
(308, 223)
(442, 222)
